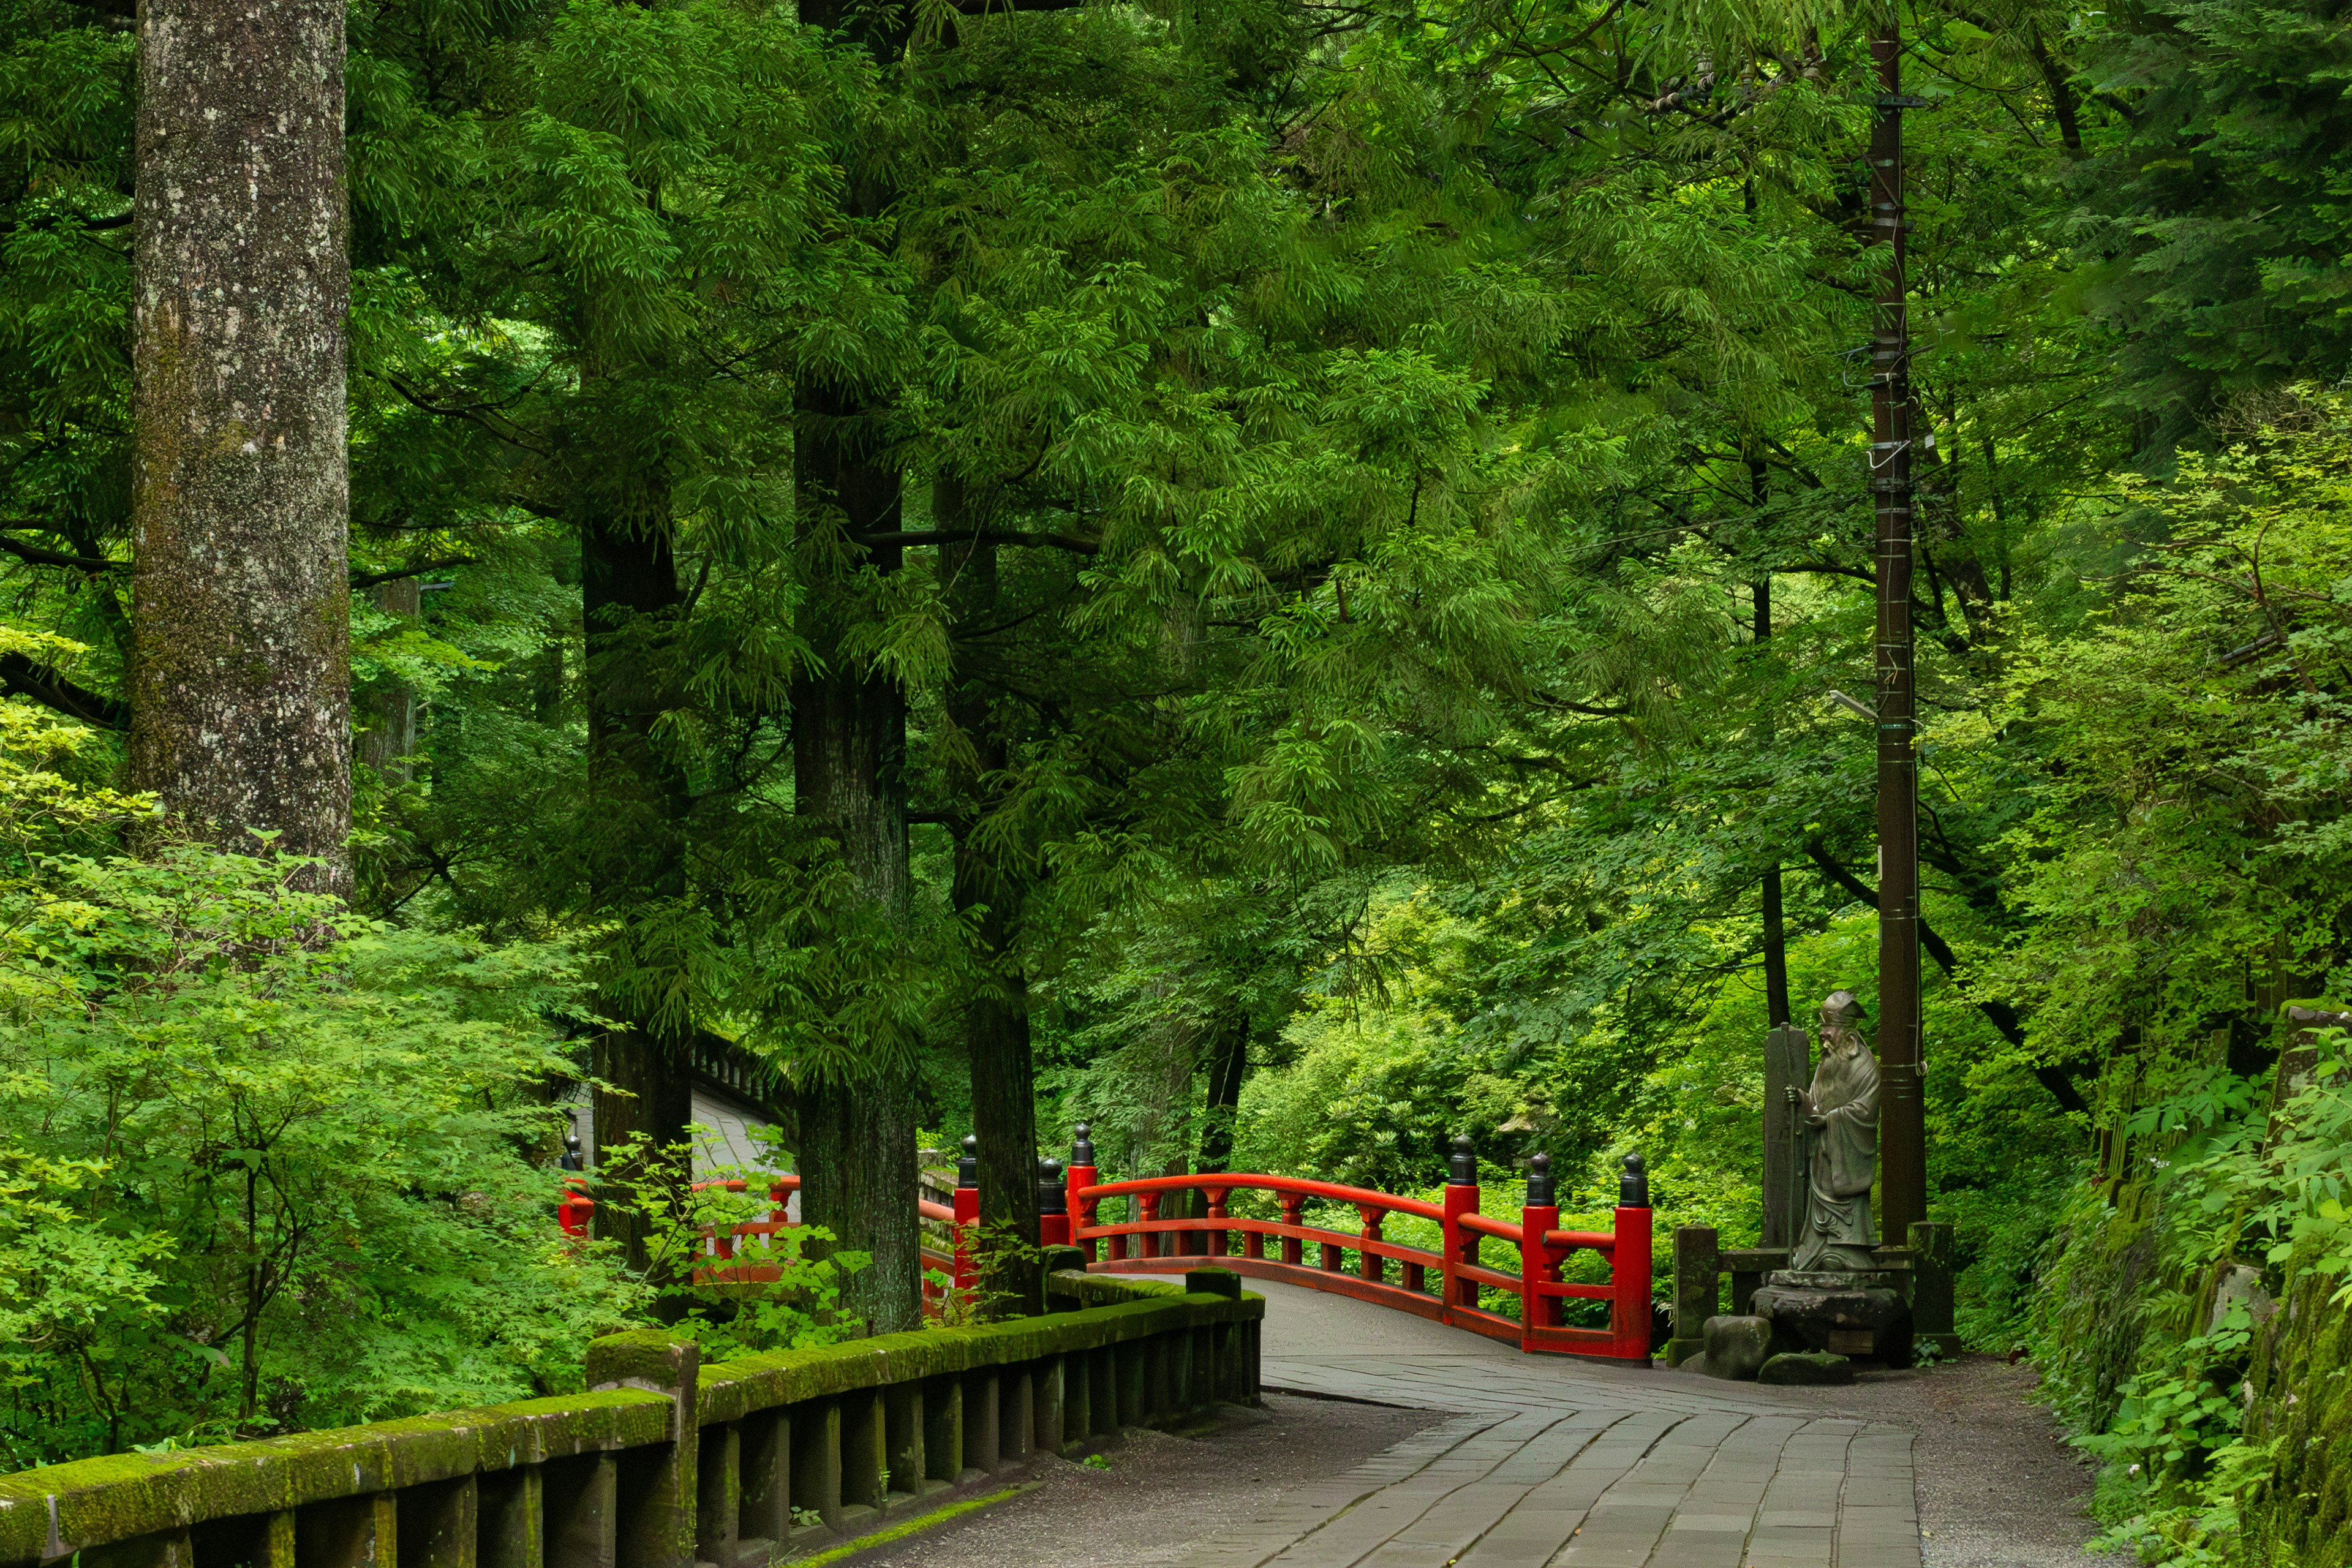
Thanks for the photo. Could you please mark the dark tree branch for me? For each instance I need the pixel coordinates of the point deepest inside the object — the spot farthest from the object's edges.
(20, 676)
(2000, 1015)
(1831, 569)
(1549, 701)
(34, 555)
(918, 537)
(370, 579)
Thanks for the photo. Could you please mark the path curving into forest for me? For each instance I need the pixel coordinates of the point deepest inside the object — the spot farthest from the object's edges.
(1388, 1441)
(1554, 1460)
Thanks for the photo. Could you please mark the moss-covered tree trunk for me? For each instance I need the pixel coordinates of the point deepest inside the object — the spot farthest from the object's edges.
(635, 839)
(241, 683)
(989, 890)
(849, 780)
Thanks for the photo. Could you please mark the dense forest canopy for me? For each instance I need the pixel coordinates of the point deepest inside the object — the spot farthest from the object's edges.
(1287, 580)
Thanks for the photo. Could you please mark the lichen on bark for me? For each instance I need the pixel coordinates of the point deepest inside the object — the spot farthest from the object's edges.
(240, 681)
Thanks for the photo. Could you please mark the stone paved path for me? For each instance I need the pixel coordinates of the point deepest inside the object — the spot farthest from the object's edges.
(1567, 1463)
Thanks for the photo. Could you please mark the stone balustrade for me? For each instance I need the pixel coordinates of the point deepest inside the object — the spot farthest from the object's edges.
(666, 1462)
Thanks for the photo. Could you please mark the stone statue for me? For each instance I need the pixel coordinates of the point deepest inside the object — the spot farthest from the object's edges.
(1841, 1114)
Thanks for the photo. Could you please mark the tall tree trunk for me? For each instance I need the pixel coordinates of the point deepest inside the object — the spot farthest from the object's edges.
(996, 1007)
(1228, 1065)
(389, 739)
(240, 677)
(850, 739)
(636, 834)
(1004, 1074)
(849, 736)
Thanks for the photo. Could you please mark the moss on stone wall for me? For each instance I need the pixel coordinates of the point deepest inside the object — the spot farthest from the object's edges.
(48, 1512)
(2301, 1405)
(2118, 1298)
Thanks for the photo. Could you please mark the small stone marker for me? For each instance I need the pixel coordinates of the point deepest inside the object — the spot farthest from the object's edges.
(1788, 1064)
(1736, 1348)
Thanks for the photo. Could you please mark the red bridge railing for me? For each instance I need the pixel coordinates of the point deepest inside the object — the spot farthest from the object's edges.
(719, 1247)
(1387, 1272)
(1450, 1285)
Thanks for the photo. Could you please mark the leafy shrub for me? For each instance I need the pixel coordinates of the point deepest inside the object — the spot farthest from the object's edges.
(724, 1302)
(264, 1165)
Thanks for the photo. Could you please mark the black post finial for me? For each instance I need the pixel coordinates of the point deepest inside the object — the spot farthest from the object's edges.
(1634, 1187)
(1540, 1188)
(1461, 1165)
(968, 1166)
(1082, 1151)
(1053, 1197)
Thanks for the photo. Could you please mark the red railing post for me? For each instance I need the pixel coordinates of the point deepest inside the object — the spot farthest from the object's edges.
(1220, 1242)
(1146, 1209)
(1082, 1209)
(1629, 1317)
(1460, 1246)
(1053, 1205)
(967, 1213)
(577, 1207)
(1539, 1217)
(1294, 1214)
(1368, 1262)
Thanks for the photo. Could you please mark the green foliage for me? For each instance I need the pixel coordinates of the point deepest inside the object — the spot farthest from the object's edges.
(764, 1292)
(267, 1164)
(2220, 222)
(1354, 526)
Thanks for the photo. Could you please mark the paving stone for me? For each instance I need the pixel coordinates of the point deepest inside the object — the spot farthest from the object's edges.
(1556, 1462)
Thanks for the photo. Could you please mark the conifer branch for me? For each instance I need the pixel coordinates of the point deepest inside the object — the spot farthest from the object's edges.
(371, 579)
(915, 538)
(33, 554)
(1549, 701)
(20, 676)
(1831, 569)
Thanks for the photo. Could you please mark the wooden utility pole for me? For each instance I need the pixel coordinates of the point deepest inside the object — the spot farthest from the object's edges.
(1902, 1138)
(240, 675)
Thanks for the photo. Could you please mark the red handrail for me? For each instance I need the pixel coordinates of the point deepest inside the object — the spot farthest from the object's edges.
(577, 1208)
(1166, 1245)
(1169, 1244)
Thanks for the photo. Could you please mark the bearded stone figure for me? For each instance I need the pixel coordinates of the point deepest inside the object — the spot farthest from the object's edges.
(1839, 1113)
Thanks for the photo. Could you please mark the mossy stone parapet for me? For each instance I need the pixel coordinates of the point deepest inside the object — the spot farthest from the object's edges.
(56, 1510)
(730, 1390)
(49, 1511)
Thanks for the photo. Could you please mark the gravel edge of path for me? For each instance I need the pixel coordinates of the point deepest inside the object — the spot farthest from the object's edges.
(1998, 1486)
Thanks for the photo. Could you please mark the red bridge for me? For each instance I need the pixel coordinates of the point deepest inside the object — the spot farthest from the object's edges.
(1450, 1285)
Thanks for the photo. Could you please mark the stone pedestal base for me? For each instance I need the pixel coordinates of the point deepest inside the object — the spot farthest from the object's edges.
(1859, 1314)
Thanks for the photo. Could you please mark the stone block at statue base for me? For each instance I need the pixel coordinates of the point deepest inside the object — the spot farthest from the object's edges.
(1805, 1367)
(1736, 1348)
(1836, 1314)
